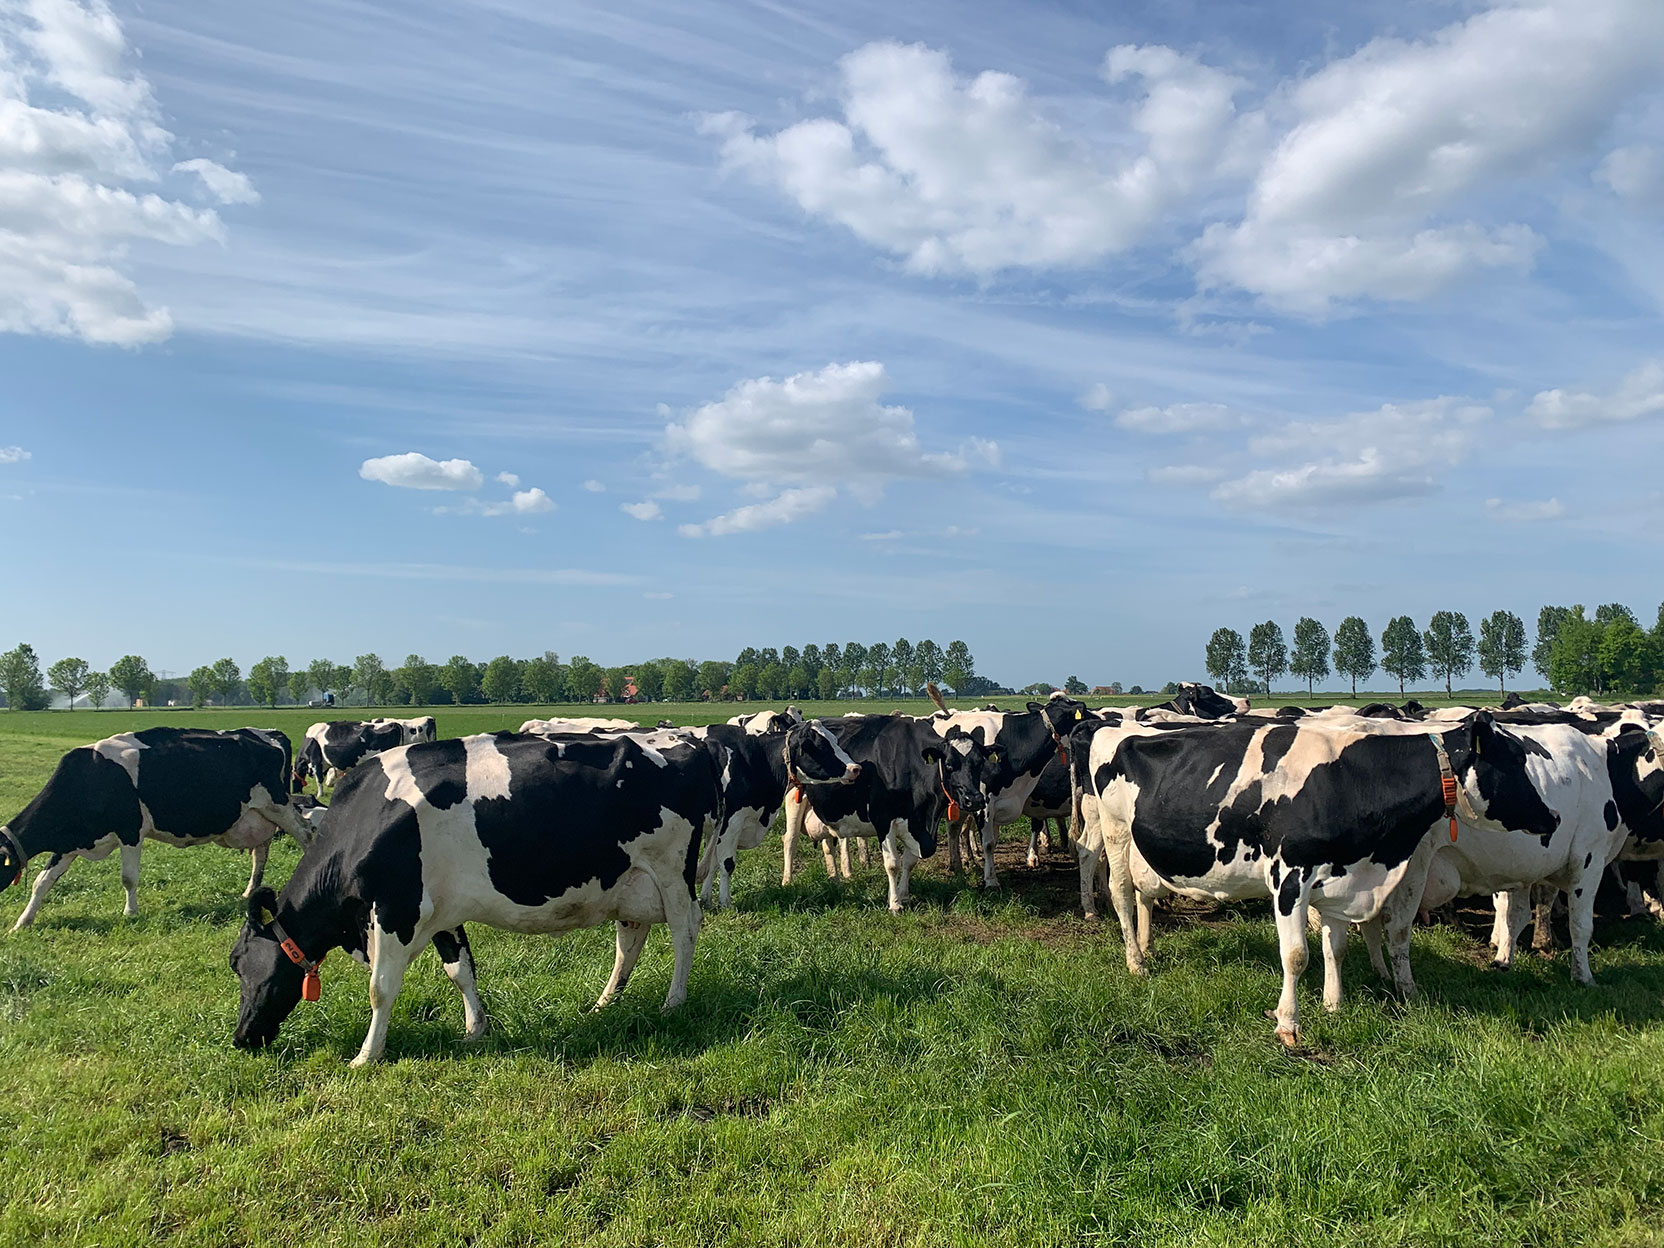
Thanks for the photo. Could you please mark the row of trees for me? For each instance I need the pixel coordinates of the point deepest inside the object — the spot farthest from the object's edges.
(1608, 653)
(829, 671)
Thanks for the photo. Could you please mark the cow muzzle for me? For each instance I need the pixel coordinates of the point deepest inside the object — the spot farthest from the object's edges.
(852, 773)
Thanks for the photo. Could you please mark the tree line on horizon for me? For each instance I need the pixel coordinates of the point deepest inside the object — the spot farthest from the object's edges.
(1577, 654)
(831, 671)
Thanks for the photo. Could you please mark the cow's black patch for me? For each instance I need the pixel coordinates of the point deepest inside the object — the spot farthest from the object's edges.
(1288, 894)
(1611, 813)
(440, 770)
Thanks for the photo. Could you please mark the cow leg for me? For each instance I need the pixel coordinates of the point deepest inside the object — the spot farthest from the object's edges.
(631, 938)
(1034, 841)
(831, 860)
(1056, 828)
(1334, 953)
(862, 852)
(990, 838)
(956, 862)
(683, 916)
(899, 858)
(1580, 917)
(725, 894)
(1292, 944)
(1543, 897)
(389, 959)
(257, 856)
(843, 858)
(130, 878)
(1370, 930)
(1146, 915)
(1513, 911)
(718, 856)
(797, 813)
(55, 867)
(458, 959)
(1397, 920)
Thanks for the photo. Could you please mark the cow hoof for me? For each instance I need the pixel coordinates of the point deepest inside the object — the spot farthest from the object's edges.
(359, 1062)
(1033, 861)
(1092, 916)
(1290, 1036)
(1498, 964)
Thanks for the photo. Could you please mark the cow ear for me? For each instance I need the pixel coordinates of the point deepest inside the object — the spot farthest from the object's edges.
(1481, 726)
(262, 909)
(1036, 706)
(932, 754)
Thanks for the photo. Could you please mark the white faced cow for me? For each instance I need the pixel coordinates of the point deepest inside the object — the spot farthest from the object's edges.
(180, 786)
(529, 833)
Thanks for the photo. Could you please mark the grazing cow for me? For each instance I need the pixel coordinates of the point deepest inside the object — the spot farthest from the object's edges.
(180, 786)
(755, 784)
(1025, 741)
(330, 750)
(550, 727)
(1202, 702)
(909, 777)
(1336, 816)
(529, 833)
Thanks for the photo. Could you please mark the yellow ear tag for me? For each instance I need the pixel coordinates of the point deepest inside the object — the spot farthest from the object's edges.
(1077, 714)
(266, 916)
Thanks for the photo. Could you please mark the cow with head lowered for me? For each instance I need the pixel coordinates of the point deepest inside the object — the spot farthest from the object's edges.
(906, 779)
(524, 832)
(1339, 817)
(329, 750)
(180, 786)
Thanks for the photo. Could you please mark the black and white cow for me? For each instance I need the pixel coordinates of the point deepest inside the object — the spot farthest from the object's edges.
(1025, 743)
(551, 727)
(525, 832)
(755, 783)
(1339, 817)
(180, 786)
(909, 777)
(331, 749)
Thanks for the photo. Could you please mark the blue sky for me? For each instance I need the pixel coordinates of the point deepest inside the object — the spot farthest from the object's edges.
(1072, 330)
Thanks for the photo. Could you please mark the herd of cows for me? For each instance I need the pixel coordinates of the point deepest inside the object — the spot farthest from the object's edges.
(1339, 816)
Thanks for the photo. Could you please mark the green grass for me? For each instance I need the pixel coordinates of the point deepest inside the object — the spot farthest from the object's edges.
(981, 1070)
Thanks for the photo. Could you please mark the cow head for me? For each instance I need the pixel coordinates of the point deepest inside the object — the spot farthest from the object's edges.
(965, 771)
(12, 859)
(1063, 715)
(815, 756)
(271, 983)
(1493, 762)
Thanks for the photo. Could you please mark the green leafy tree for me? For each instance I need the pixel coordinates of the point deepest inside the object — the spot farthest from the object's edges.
(502, 680)
(1450, 647)
(812, 661)
(827, 684)
(1402, 654)
(1075, 687)
(854, 666)
(132, 675)
(832, 656)
(201, 684)
(1310, 659)
(1609, 612)
(583, 679)
(680, 677)
(1227, 660)
(98, 689)
(958, 665)
(268, 679)
(1549, 620)
(650, 680)
(1501, 646)
(320, 675)
(228, 678)
(748, 655)
(541, 681)
(372, 676)
(1626, 661)
(802, 684)
(69, 677)
(1354, 651)
(461, 679)
(927, 655)
(1267, 653)
(901, 660)
(771, 681)
(418, 678)
(880, 667)
(1574, 662)
(742, 681)
(713, 678)
(20, 678)
(1038, 689)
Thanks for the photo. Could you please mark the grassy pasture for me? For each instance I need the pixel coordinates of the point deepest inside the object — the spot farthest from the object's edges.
(980, 1070)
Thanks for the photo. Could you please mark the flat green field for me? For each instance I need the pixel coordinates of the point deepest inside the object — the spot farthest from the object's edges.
(980, 1070)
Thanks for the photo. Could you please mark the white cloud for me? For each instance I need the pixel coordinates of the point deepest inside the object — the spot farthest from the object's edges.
(13, 455)
(826, 427)
(789, 506)
(1386, 141)
(1397, 451)
(530, 502)
(1524, 512)
(509, 479)
(1097, 398)
(226, 185)
(1635, 173)
(1640, 394)
(415, 471)
(648, 510)
(957, 174)
(78, 132)
(1184, 474)
(679, 493)
(595, 487)
(1179, 418)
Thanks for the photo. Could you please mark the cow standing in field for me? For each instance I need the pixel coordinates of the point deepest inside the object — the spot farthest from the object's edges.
(908, 779)
(329, 750)
(529, 833)
(180, 786)
(1339, 817)
(553, 727)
